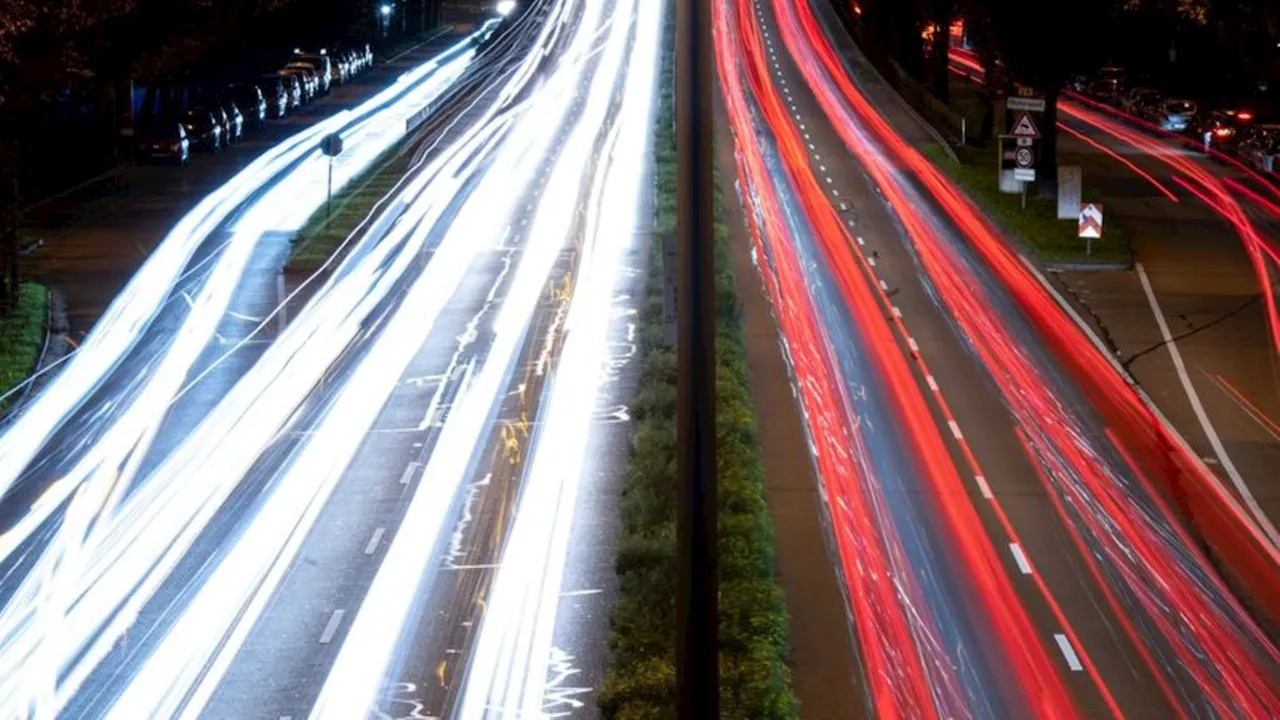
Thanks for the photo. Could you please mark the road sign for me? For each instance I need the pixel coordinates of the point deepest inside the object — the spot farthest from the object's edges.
(1026, 104)
(1091, 220)
(331, 145)
(1024, 127)
(1023, 157)
(1024, 174)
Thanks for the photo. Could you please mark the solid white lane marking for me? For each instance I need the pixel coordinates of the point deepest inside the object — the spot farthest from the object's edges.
(331, 628)
(577, 593)
(373, 541)
(983, 487)
(1068, 652)
(955, 430)
(1214, 441)
(408, 472)
(1020, 558)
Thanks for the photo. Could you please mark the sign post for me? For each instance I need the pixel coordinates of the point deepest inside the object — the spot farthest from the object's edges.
(1070, 184)
(331, 146)
(1090, 225)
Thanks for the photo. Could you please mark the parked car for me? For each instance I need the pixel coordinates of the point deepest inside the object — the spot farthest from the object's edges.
(319, 63)
(163, 140)
(235, 120)
(1173, 114)
(203, 128)
(306, 81)
(277, 94)
(251, 102)
(1135, 98)
(1104, 89)
(1259, 145)
(1218, 129)
(293, 85)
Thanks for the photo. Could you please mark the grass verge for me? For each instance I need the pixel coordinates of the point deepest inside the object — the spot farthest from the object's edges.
(755, 681)
(325, 230)
(1037, 228)
(21, 337)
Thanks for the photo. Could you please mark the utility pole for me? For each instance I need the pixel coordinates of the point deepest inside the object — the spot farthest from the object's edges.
(697, 658)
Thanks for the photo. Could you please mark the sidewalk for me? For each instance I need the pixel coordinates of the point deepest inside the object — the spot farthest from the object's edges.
(95, 237)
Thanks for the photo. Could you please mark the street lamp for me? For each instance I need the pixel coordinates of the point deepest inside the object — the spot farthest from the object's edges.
(384, 18)
(505, 7)
(386, 10)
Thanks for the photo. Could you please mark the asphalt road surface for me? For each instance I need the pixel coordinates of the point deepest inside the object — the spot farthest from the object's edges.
(970, 438)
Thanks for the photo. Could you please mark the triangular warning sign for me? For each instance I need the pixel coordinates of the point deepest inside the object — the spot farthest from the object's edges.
(1023, 127)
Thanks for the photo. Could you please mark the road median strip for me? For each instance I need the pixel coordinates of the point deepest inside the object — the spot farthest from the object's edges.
(754, 678)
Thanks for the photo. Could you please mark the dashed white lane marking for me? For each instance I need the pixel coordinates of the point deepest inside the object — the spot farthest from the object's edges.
(835, 192)
(829, 181)
(374, 540)
(802, 127)
(983, 487)
(1068, 652)
(871, 261)
(911, 343)
(408, 473)
(861, 241)
(933, 384)
(955, 430)
(884, 286)
(1020, 558)
(822, 168)
(331, 628)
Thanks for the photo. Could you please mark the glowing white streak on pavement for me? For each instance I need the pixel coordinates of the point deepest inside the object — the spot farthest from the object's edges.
(353, 681)
(508, 672)
(142, 298)
(60, 631)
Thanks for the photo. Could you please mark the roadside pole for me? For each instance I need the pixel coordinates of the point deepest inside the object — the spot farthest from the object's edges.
(697, 659)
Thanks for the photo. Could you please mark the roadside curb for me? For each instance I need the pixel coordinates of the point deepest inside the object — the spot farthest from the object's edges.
(1085, 267)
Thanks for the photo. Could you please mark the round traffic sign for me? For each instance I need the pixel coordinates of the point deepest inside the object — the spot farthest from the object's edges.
(331, 145)
(1024, 158)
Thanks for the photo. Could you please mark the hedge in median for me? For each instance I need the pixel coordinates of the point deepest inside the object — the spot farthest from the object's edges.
(754, 678)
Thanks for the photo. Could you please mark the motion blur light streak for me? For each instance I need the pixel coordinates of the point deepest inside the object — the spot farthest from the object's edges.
(1106, 501)
(1125, 520)
(921, 688)
(106, 559)
(523, 601)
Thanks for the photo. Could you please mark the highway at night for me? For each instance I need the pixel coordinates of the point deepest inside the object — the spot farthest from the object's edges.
(1018, 532)
(386, 487)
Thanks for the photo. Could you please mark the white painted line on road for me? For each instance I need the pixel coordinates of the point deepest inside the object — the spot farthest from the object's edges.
(374, 540)
(955, 430)
(896, 312)
(835, 192)
(1068, 652)
(286, 717)
(983, 487)
(933, 384)
(822, 168)
(331, 628)
(860, 240)
(884, 286)
(871, 261)
(802, 127)
(408, 472)
(1020, 558)
(282, 314)
(577, 593)
(1214, 441)
(489, 566)
(911, 343)
(829, 180)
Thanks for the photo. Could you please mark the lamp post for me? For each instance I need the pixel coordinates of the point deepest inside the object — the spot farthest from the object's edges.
(384, 18)
(697, 659)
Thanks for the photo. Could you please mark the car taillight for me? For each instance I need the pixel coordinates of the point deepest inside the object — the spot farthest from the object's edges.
(1222, 132)
(1244, 115)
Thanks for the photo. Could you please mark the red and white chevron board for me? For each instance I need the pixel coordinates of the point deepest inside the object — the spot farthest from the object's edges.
(1091, 220)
